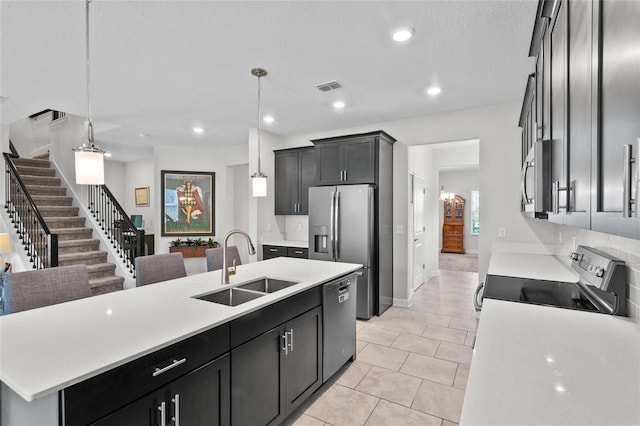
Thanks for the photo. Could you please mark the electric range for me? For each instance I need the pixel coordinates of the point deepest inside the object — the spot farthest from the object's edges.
(601, 286)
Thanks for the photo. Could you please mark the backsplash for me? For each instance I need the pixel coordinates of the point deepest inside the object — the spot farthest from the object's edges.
(623, 248)
(296, 228)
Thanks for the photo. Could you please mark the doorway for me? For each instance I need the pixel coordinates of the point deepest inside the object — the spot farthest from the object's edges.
(418, 199)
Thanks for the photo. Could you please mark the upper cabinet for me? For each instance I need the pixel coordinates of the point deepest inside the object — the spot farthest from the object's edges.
(349, 159)
(616, 118)
(295, 173)
(587, 107)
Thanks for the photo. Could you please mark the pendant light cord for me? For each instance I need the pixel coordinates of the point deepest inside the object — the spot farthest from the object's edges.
(259, 90)
(88, 53)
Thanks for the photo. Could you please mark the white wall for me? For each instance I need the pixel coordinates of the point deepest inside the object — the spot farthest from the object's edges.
(139, 174)
(200, 159)
(460, 182)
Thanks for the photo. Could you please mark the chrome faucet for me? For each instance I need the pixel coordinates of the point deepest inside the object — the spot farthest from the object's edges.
(226, 271)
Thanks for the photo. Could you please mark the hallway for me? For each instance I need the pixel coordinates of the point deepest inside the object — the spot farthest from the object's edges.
(412, 363)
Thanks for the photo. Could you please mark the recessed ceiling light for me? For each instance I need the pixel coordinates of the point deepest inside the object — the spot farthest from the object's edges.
(107, 154)
(403, 33)
(198, 130)
(338, 104)
(268, 119)
(143, 135)
(433, 90)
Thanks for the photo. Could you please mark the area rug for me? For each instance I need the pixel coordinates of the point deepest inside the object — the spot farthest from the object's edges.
(458, 262)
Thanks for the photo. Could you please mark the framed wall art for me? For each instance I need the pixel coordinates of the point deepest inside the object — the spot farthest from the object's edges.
(142, 196)
(187, 203)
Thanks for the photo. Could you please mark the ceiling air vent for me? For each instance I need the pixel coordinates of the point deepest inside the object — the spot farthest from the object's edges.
(331, 85)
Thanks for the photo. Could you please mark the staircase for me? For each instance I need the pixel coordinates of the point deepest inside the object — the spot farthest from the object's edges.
(75, 243)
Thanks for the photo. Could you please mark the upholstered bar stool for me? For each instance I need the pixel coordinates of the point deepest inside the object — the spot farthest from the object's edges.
(214, 257)
(159, 267)
(26, 290)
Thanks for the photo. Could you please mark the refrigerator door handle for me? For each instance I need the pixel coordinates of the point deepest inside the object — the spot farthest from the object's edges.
(332, 225)
(337, 230)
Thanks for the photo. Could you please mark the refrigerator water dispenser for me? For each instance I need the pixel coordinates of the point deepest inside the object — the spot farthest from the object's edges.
(321, 239)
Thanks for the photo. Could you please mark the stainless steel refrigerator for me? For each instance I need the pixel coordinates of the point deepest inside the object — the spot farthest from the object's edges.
(342, 229)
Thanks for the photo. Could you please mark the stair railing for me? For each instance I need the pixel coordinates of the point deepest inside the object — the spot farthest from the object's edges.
(127, 240)
(41, 245)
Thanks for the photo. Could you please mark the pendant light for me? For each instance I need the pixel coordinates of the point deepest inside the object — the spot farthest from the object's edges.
(259, 179)
(89, 158)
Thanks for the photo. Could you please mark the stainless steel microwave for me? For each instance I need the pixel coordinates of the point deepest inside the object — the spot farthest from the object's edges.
(536, 180)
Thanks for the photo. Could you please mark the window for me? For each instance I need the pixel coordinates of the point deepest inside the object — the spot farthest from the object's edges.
(475, 212)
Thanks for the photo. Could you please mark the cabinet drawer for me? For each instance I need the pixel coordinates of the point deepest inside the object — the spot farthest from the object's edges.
(269, 252)
(94, 398)
(300, 252)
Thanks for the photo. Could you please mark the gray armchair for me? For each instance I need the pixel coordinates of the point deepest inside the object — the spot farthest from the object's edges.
(26, 290)
(159, 267)
(214, 257)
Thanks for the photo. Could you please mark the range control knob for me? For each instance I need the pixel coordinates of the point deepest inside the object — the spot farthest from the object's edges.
(599, 271)
(590, 268)
(574, 256)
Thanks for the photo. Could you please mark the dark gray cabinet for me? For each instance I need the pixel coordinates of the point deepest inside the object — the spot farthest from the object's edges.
(347, 160)
(135, 390)
(616, 122)
(277, 370)
(200, 398)
(271, 251)
(295, 171)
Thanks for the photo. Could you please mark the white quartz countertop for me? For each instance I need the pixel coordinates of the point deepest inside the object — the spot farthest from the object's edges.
(541, 365)
(288, 243)
(45, 350)
(538, 266)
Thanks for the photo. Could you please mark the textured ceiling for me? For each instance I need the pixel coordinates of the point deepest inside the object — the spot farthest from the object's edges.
(162, 67)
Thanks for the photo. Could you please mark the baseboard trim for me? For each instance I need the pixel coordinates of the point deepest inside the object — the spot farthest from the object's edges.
(403, 303)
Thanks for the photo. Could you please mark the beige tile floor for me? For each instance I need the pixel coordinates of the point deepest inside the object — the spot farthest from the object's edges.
(412, 363)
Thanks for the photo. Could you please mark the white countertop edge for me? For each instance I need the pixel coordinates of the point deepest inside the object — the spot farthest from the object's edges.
(31, 388)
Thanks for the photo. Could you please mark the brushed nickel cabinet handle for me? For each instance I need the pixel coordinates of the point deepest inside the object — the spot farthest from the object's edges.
(176, 409)
(174, 364)
(163, 408)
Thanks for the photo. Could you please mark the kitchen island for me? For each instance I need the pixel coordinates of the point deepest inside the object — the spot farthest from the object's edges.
(46, 351)
(543, 365)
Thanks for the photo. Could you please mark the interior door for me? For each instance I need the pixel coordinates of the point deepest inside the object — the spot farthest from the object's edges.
(418, 230)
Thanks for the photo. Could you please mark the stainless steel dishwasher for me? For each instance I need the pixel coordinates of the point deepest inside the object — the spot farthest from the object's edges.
(339, 324)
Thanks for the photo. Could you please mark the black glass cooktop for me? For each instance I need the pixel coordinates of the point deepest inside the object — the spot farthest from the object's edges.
(538, 292)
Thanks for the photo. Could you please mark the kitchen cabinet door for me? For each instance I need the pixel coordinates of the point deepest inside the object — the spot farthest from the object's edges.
(558, 74)
(328, 163)
(578, 150)
(286, 182)
(359, 161)
(256, 368)
(307, 178)
(303, 364)
(295, 171)
(143, 412)
(617, 122)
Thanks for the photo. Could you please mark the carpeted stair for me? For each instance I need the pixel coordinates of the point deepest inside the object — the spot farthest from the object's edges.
(75, 242)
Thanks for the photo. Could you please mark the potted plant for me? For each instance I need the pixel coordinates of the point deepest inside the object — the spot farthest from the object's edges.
(192, 247)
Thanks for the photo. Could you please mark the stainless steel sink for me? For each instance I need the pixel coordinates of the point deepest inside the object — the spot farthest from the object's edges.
(231, 296)
(267, 285)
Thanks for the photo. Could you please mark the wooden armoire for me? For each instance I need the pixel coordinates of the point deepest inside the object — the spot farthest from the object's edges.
(453, 225)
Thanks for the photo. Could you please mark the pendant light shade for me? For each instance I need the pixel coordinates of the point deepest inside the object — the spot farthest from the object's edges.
(89, 168)
(89, 158)
(259, 179)
(259, 185)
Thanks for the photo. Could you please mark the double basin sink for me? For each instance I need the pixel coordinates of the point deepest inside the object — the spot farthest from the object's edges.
(243, 293)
